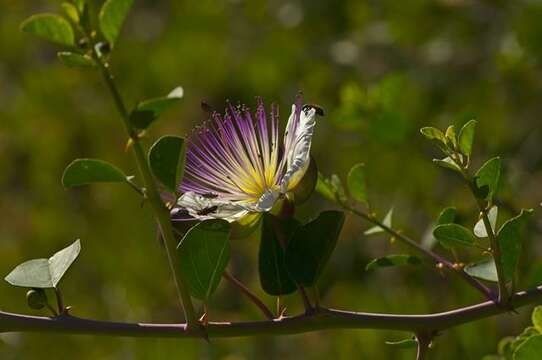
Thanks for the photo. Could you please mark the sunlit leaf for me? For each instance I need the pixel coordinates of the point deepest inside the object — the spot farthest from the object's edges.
(466, 137)
(489, 175)
(480, 228)
(448, 163)
(166, 159)
(451, 235)
(377, 229)
(71, 12)
(484, 270)
(356, 183)
(509, 239)
(44, 273)
(146, 112)
(88, 171)
(274, 276)
(536, 318)
(112, 16)
(50, 27)
(204, 253)
(531, 349)
(451, 137)
(393, 260)
(311, 246)
(76, 60)
(432, 133)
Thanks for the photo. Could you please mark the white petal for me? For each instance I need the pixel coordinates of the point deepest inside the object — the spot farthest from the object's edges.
(297, 147)
(204, 208)
(266, 201)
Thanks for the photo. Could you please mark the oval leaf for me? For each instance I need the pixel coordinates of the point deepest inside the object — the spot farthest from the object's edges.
(393, 260)
(489, 175)
(204, 253)
(311, 246)
(484, 270)
(112, 16)
(466, 137)
(451, 235)
(88, 171)
(50, 27)
(71, 12)
(357, 184)
(166, 158)
(509, 239)
(76, 60)
(149, 110)
(44, 273)
(274, 276)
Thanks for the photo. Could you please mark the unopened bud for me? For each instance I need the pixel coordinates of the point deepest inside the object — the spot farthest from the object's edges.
(36, 299)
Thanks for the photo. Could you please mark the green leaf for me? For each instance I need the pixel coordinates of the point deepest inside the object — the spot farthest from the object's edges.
(448, 163)
(166, 158)
(489, 175)
(76, 60)
(451, 235)
(466, 137)
(509, 239)
(403, 344)
(536, 318)
(451, 138)
(331, 188)
(447, 216)
(50, 27)
(393, 260)
(71, 12)
(274, 276)
(44, 273)
(484, 270)
(357, 184)
(531, 349)
(88, 171)
(112, 16)
(204, 253)
(377, 229)
(480, 227)
(146, 112)
(311, 246)
(432, 133)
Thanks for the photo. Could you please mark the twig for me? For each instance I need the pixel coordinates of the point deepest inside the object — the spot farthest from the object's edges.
(249, 294)
(160, 212)
(414, 245)
(322, 320)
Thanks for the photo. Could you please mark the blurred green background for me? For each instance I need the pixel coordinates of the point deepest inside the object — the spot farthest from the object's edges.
(380, 69)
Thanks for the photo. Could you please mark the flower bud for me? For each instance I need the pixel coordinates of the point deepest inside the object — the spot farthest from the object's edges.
(36, 299)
